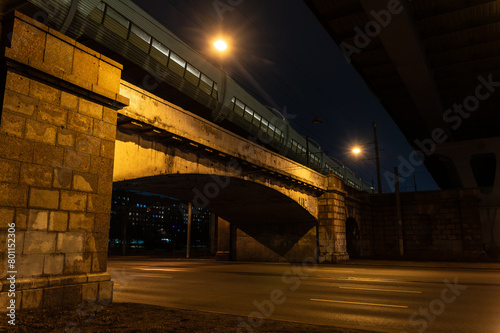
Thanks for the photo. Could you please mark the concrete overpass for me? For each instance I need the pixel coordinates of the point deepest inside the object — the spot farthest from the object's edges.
(434, 67)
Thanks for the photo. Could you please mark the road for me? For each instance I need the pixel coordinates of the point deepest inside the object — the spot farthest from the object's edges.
(375, 298)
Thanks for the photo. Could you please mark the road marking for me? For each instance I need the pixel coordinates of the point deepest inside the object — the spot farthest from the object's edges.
(337, 271)
(375, 280)
(359, 303)
(396, 291)
(363, 280)
(153, 276)
(161, 269)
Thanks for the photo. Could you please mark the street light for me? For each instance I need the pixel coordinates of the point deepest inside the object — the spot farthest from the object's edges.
(357, 151)
(220, 45)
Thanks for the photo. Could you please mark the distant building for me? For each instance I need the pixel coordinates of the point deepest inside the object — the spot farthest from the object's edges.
(155, 223)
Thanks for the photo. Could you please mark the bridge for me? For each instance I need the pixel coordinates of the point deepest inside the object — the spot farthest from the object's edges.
(434, 67)
(161, 148)
(71, 129)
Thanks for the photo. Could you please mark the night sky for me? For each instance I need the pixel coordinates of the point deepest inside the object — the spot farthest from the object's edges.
(282, 55)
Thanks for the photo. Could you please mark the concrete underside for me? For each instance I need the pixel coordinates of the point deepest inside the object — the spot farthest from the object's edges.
(270, 218)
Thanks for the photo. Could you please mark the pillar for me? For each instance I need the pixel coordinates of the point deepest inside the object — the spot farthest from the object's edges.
(223, 240)
(331, 223)
(57, 132)
(213, 234)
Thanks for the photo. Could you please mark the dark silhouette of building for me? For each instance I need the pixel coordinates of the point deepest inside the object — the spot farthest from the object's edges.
(152, 223)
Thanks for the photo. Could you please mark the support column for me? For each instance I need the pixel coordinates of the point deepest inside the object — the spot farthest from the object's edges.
(331, 223)
(189, 225)
(213, 234)
(223, 240)
(57, 133)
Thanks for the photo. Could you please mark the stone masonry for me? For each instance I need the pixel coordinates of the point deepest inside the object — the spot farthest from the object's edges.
(331, 222)
(57, 132)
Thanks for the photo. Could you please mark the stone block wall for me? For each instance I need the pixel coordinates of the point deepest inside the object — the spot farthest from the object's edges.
(437, 225)
(331, 222)
(57, 131)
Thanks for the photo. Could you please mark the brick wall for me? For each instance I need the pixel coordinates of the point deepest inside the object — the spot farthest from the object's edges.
(57, 132)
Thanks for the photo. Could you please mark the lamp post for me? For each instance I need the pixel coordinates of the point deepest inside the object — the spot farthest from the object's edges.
(377, 157)
(221, 47)
(357, 150)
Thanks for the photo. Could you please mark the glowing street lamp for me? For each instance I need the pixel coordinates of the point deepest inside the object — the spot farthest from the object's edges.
(357, 151)
(220, 45)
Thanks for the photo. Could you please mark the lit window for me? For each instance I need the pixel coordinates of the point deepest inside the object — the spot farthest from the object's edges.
(193, 70)
(178, 60)
(117, 17)
(141, 34)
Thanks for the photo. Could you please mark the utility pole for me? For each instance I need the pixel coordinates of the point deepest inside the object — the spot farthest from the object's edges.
(398, 212)
(188, 243)
(377, 157)
(307, 151)
(124, 219)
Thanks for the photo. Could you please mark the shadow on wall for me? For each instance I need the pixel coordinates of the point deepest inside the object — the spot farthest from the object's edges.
(281, 238)
(353, 238)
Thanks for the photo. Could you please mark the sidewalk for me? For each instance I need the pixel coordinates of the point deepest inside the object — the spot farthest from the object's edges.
(132, 317)
(424, 264)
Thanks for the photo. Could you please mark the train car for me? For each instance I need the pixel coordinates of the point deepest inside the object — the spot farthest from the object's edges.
(126, 30)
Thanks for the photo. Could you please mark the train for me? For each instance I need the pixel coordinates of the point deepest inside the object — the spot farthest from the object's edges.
(141, 43)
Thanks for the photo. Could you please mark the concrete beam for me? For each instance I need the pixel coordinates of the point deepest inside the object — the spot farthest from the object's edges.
(404, 47)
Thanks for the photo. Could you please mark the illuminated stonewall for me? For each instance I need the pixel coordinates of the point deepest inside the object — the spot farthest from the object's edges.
(57, 133)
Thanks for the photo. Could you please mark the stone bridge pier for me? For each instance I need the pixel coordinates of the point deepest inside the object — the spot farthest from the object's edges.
(57, 133)
(331, 222)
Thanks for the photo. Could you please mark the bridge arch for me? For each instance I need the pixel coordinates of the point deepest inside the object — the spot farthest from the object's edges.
(262, 218)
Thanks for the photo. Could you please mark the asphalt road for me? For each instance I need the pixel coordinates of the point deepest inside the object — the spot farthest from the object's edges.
(380, 298)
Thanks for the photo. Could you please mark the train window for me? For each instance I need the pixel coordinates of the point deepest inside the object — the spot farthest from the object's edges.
(205, 87)
(192, 74)
(207, 80)
(256, 119)
(159, 52)
(215, 91)
(178, 60)
(264, 125)
(139, 38)
(141, 34)
(176, 64)
(248, 114)
(239, 108)
(272, 127)
(117, 17)
(206, 84)
(116, 23)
